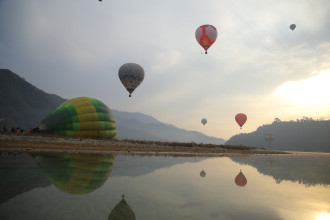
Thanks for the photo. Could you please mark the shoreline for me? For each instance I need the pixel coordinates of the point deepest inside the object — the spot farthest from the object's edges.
(40, 143)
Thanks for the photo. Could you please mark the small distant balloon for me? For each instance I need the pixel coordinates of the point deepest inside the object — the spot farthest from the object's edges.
(240, 179)
(292, 26)
(269, 138)
(202, 173)
(206, 36)
(131, 76)
(204, 121)
(240, 119)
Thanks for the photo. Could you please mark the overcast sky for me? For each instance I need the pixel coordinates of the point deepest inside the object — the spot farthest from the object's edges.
(257, 65)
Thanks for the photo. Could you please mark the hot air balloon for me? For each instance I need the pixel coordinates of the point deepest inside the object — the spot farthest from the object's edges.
(80, 117)
(131, 76)
(240, 119)
(202, 173)
(122, 211)
(269, 138)
(204, 121)
(240, 179)
(292, 26)
(206, 36)
(76, 173)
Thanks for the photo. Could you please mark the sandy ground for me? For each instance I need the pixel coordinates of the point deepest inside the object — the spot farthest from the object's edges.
(35, 143)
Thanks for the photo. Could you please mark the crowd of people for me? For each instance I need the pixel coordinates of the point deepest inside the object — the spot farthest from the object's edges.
(13, 129)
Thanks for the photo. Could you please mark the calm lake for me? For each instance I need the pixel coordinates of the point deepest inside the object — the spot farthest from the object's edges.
(79, 186)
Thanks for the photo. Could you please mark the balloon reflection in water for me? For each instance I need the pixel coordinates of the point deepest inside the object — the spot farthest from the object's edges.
(122, 211)
(76, 173)
(202, 173)
(269, 162)
(240, 179)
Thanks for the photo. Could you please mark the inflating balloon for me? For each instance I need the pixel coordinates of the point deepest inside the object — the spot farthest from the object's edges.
(240, 119)
(206, 36)
(204, 121)
(131, 76)
(292, 26)
(80, 117)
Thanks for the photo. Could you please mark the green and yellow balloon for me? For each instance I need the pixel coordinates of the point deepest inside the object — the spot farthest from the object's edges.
(76, 173)
(81, 117)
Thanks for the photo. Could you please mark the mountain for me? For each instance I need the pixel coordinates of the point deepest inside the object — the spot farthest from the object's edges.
(23, 105)
(301, 135)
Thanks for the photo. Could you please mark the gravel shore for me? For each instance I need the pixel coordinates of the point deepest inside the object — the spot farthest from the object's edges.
(15, 143)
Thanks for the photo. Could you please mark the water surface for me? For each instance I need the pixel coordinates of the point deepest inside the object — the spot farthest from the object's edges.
(67, 186)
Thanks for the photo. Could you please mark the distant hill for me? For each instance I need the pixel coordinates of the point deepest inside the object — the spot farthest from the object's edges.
(143, 127)
(300, 135)
(23, 105)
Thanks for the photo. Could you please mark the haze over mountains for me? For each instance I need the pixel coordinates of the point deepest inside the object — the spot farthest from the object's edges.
(23, 105)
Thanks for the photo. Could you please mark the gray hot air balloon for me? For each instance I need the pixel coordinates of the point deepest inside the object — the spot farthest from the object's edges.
(292, 26)
(131, 75)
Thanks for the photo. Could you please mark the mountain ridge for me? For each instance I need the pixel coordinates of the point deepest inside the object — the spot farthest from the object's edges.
(301, 135)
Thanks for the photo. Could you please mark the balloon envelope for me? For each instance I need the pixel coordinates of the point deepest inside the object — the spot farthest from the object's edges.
(292, 26)
(80, 117)
(202, 173)
(204, 121)
(131, 76)
(240, 119)
(206, 36)
(240, 179)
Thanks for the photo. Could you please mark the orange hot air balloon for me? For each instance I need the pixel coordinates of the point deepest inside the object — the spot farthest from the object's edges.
(240, 179)
(240, 119)
(206, 36)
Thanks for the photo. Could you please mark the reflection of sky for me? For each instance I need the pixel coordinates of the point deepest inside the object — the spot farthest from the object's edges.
(178, 192)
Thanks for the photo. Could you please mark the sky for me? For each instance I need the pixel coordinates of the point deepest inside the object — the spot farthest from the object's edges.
(257, 66)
